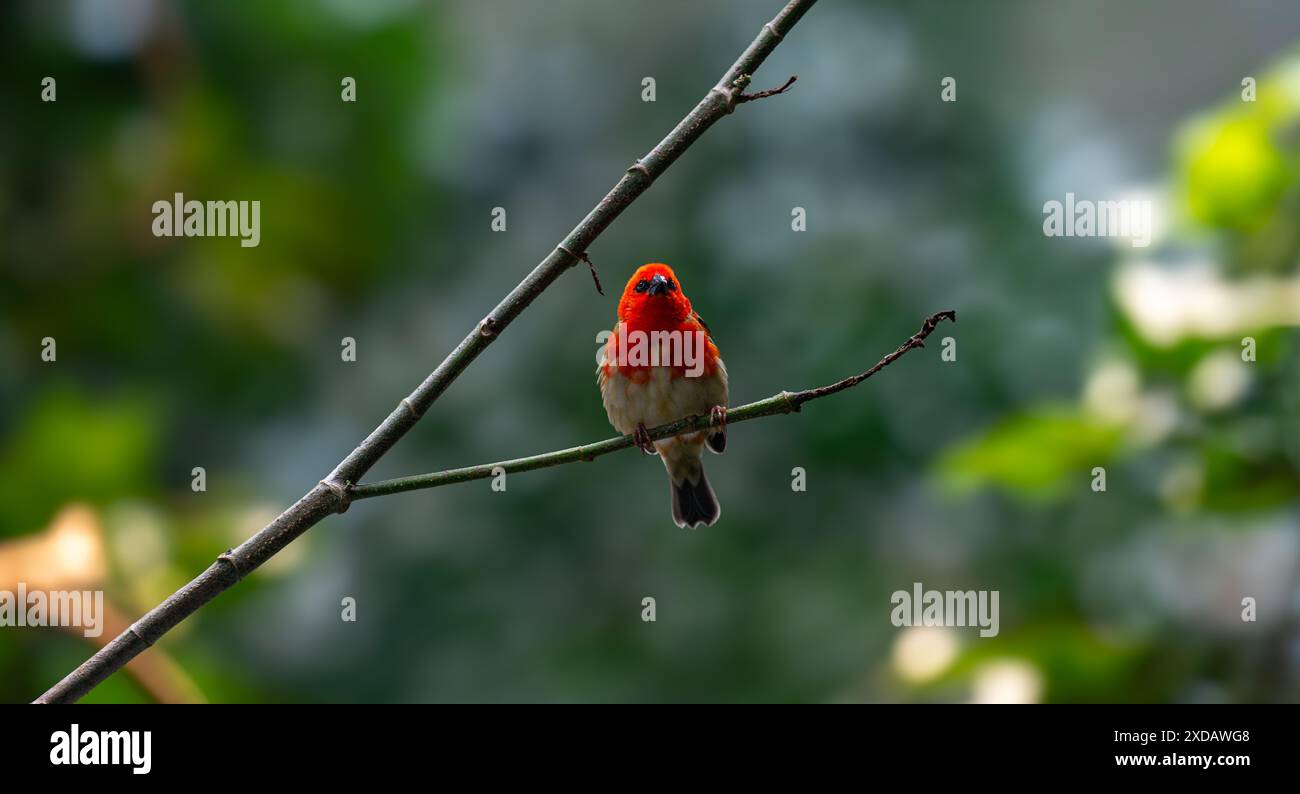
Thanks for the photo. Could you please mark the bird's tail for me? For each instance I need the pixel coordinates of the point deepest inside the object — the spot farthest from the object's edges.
(694, 503)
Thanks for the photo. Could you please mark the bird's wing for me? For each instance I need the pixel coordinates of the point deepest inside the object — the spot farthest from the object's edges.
(696, 316)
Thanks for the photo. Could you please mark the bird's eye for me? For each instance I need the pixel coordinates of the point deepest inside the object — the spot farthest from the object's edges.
(642, 285)
(672, 287)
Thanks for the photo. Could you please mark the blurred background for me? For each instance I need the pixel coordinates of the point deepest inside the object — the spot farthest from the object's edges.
(1072, 353)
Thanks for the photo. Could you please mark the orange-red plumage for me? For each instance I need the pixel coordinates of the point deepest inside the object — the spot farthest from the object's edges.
(670, 312)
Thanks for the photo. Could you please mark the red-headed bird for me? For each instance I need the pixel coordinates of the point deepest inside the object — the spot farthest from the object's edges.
(658, 366)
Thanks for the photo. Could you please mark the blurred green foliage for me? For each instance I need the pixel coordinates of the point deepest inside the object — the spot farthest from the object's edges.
(1037, 455)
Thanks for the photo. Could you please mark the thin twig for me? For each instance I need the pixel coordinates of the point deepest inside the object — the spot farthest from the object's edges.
(769, 92)
(595, 277)
(783, 403)
(330, 495)
(590, 265)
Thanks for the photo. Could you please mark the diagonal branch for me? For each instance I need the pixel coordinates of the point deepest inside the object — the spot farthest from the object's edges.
(331, 495)
(783, 403)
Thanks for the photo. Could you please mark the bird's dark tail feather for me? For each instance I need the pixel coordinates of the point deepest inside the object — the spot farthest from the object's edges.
(694, 503)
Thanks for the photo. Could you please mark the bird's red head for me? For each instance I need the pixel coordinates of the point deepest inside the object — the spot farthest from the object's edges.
(653, 298)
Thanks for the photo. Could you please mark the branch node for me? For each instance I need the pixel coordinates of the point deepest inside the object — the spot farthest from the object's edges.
(229, 558)
(343, 492)
(138, 635)
(585, 258)
(728, 95)
(770, 92)
(791, 402)
(410, 408)
(768, 27)
(640, 167)
(488, 327)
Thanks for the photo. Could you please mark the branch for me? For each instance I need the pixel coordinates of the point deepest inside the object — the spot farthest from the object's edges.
(783, 403)
(332, 493)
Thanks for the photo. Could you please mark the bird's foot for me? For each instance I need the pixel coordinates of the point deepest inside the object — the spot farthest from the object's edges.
(718, 416)
(717, 438)
(641, 437)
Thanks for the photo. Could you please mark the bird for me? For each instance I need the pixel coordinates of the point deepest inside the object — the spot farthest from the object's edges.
(658, 365)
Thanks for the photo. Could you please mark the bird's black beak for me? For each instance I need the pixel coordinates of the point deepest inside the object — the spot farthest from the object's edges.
(658, 285)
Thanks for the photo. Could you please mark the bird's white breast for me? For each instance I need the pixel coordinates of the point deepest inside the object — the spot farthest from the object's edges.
(660, 398)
